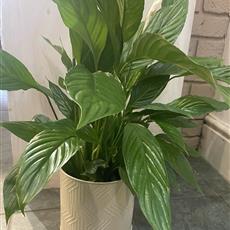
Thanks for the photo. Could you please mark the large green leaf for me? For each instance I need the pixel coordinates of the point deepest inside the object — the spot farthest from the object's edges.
(177, 160)
(225, 92)
(64, 56)
(147, 90)
(221, 73)
(67, 107)
(173, 133)
(163, 111)
(88, 134)
(25, 130)
(166, 3)
(81, 51)
(13, 74)
(168, 21)
(98, 95)
(156, 47)
(131, 12)
(47, 152)
(196, 106)
(147, 174)
(113, 48)
(84, 17)
(11, 204)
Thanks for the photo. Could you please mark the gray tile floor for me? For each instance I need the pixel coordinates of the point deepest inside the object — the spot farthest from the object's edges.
(191, 210)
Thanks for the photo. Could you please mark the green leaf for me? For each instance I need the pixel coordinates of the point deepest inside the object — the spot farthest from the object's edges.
(113, 48)
(157, 48)
(131, 12)
(163, 111)
(147, 174)
(192, 152)
(178, 161)
(209, 61)
(64, 56)
(47, 152)
(147, 90)
(67, 107)
(91, 167)
(180, 122)
(196, 106)
(88, 134)
(125, 179)
(84, 17)
(13, 74)
(225, 92)
(173, 133)
(98, 95)
(159, 69)
(81, 51)
(221, 73)
(61, 83)
(25, 130)
(168, 21)
(11, 204)
(166, 3)
(41, 118)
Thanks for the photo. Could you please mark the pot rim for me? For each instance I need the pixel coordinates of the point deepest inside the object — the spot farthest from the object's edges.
(90, 182)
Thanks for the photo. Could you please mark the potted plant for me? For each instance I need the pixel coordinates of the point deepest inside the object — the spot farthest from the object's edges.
(107, 154)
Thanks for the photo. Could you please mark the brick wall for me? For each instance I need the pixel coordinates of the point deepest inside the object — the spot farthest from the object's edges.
(210, 27)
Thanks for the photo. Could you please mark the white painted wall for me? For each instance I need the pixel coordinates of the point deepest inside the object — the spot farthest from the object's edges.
(24, 22)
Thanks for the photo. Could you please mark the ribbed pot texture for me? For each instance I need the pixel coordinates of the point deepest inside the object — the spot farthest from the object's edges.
(95, 206)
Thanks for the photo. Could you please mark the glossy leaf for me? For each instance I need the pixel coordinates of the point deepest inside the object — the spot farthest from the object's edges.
(163, 111)
(147, 174)
(173, 133)
(98, 95)
(147, 90)
(177, 160)
(113, 48)
(225, 92)
(221, 73)
(64, 56)
(196, 106)
(166, 3)
(47, 152)
(169, 20)
(179, 121)
(131, 13)
(84, 17)
(81, 52)
(88, 134)
(155, 47)
(13, 74)
(11, 204)
(66, 106)
(25, 130)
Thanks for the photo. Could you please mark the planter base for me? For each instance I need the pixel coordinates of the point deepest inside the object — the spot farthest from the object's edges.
(95, 206)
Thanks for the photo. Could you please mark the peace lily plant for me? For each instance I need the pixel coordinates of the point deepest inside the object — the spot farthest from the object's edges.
(119, 65)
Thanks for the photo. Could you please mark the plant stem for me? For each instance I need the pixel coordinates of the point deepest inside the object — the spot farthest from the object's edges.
(52, 108)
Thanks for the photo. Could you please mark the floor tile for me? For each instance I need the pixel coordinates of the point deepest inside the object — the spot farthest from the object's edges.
(203, 213)
(47, 199)
(226, 199)
(37, 220)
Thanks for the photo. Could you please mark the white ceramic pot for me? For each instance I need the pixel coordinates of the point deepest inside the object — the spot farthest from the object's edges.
(95, 206)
